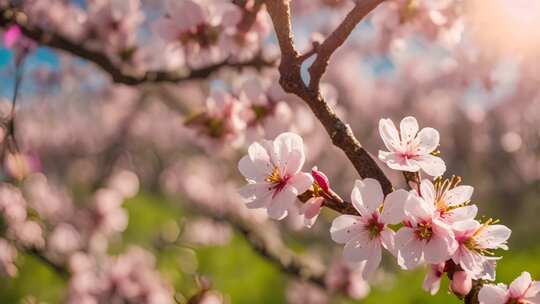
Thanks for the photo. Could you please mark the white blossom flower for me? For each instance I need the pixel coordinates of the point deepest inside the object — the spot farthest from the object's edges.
(272, 170)
(364, 235)
(425, 237)
(522, 290)
(476, 243)
(408, 149)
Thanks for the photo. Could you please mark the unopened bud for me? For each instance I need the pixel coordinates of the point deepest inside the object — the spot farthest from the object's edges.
(461, 283)
(321, 179)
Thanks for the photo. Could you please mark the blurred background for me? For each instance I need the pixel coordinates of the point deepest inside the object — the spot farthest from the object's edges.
(117, 190)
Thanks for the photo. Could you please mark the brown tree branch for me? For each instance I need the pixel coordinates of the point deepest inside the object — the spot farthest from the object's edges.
(291, 81)
(9, 16)
(331, 201)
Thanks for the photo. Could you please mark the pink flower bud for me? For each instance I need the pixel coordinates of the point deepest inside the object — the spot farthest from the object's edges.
(321, 179)
(461, 283)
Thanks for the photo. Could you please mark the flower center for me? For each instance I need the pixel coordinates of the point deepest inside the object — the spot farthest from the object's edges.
(278, 182)
(424, 231)
(374, 226)
(441, 188)
(204, 34)
(472, 244)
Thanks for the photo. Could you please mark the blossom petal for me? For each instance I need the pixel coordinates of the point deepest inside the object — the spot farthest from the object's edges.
(488, 269)
(470, 261)
(438, 249)
(311, 210)
(256, 195)
(344, 227)
(312, 207)
(280, 204)
(458, 195)
(192, 13)
(492, 294)
(301, 182)
(397, 162)
(294, 163)
(387, 240)
(284, 145)
(418, 208)
(461, 214)
(428, 140)
(389, 135)
(409, 249)
(230, 14)
(408, 128)
(432, 165)
(394, 207)
(427, 190)
(493, 237)
(519, 286)
(165, 28)
(432, 280)
(256, 165)
(362, 248)
(533, 290)
(367, 196)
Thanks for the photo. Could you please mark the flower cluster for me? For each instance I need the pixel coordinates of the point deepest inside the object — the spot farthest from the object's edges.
(192, 33)
(522, 290)
(128, 278)
(252, 108)
(209, 30)
(433, 224)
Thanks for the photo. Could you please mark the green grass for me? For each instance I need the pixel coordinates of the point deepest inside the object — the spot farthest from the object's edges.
(240, 273)
(34, 279)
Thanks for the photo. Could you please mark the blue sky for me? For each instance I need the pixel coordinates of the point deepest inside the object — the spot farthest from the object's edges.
(40, 57)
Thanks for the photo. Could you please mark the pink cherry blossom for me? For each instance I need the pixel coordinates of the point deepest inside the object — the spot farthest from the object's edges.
(272, 170)
(424, 237)
(461, 283)
(476, 241)
(364, 235)
(432, 280)
(341, 277)
(409, 149)
(116, 22)
(199, 25)
(222, 119)
(522, 290)
(449, 200)
(266, 113)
